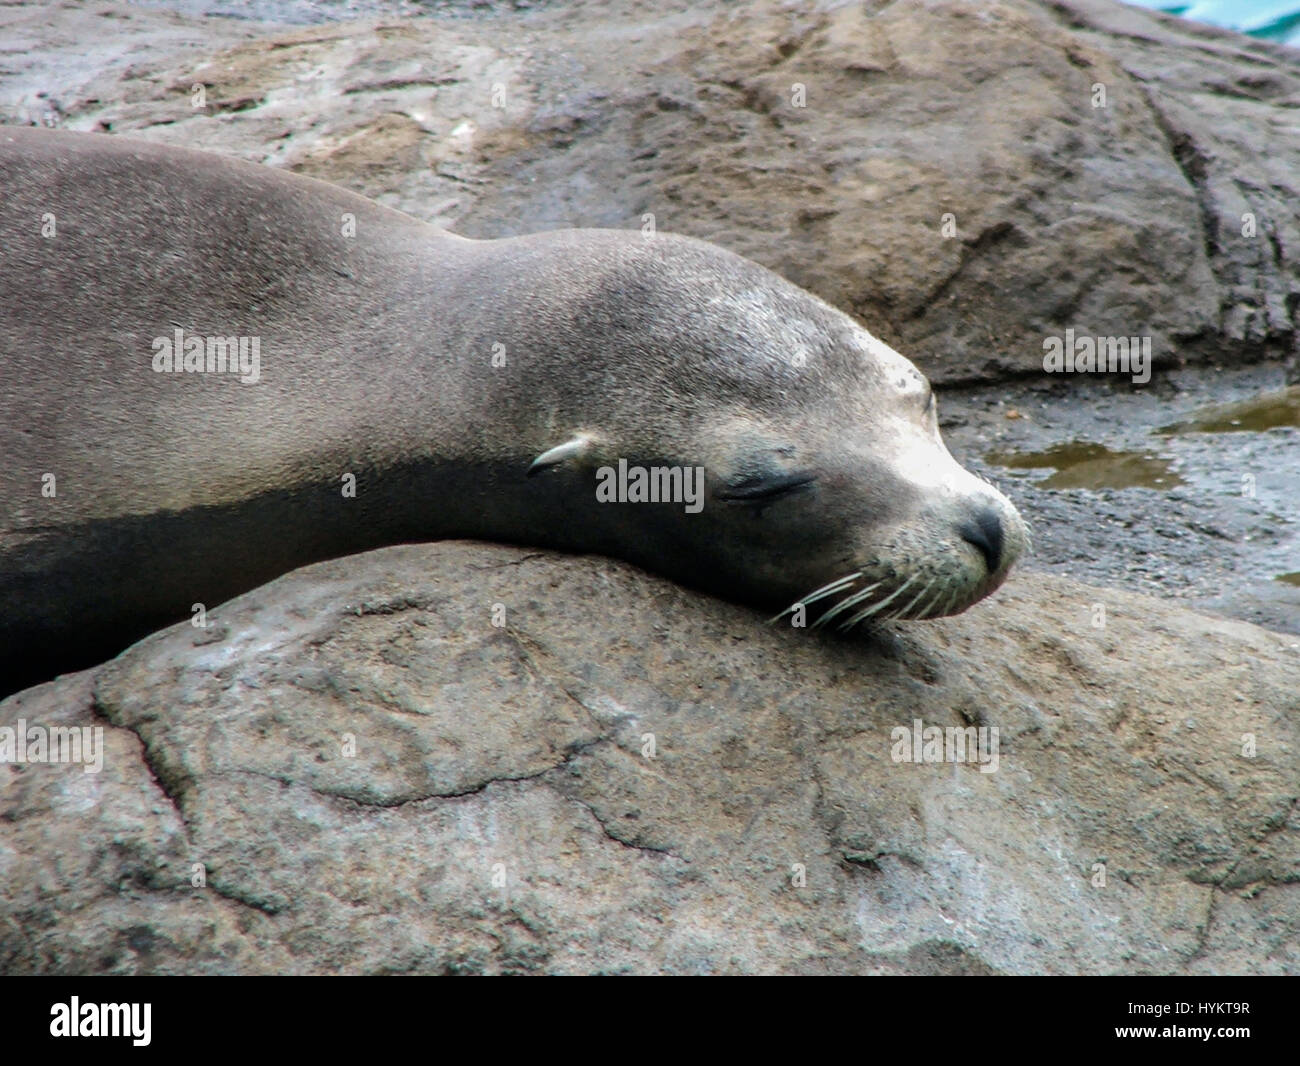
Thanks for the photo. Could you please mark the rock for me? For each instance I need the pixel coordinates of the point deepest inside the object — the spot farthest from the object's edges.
(501, 814)
(354, 770)
(828, 143)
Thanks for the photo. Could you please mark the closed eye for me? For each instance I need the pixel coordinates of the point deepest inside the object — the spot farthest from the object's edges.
(763, 489)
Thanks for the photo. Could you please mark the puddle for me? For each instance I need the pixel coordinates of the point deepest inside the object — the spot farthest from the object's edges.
(1267, 411)
(1085, 465)
(1221, 447)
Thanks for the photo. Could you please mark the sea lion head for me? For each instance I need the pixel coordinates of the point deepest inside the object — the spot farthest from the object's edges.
(826, 482)
(852, 504)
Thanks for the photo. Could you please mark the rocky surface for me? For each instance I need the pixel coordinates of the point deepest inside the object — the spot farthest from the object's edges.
(1200, 536)
(1123, 219)
(500, 813)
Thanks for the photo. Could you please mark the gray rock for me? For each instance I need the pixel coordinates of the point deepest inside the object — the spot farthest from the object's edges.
(500, 813)
(354, 770)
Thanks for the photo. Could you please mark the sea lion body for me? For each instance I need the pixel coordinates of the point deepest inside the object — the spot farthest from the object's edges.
(434, 370)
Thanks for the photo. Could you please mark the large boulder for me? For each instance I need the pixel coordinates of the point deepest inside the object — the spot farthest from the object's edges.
(354, 769)
(375, 777)
(1105, 169)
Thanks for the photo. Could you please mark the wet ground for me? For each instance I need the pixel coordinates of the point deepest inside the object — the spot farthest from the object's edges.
(1187, 488)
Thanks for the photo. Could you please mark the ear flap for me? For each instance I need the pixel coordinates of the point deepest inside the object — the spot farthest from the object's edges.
(553, 457)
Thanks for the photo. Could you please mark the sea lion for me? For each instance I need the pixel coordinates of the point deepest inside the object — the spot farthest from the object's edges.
(214, 372)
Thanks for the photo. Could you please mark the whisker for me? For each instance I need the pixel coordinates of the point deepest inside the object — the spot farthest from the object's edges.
(845, 604)
(826, 590)
(906, 612)
(881, 605)
(839, 586)
(925, 611)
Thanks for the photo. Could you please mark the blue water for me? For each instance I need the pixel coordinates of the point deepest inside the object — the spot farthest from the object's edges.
(1273, 20)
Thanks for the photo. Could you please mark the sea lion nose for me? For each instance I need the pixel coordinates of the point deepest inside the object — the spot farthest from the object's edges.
(984, 530)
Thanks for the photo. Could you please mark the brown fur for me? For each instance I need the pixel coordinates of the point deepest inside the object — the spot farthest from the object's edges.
(376, 359)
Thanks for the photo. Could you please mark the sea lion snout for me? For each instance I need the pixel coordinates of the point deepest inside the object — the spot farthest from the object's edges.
(984, 530)
(995, 529)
